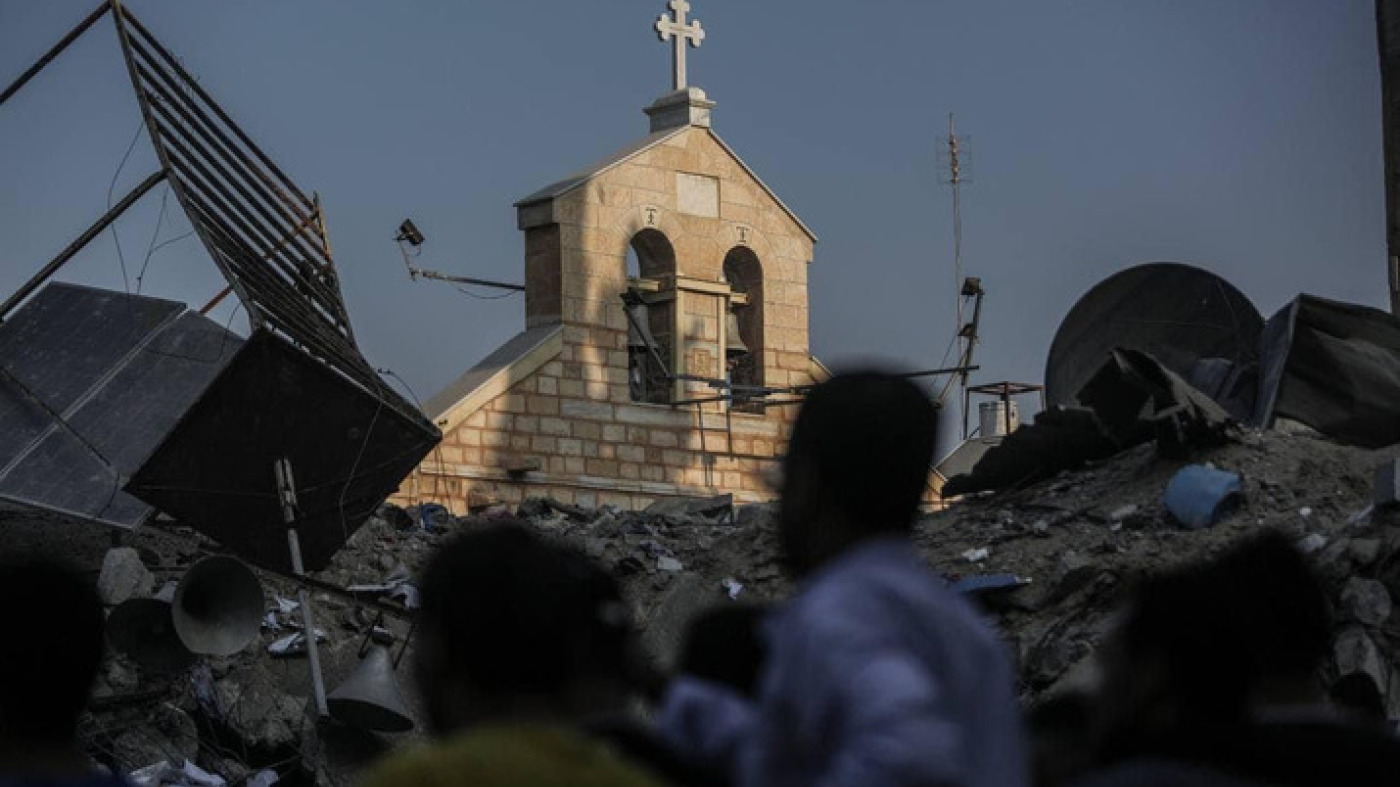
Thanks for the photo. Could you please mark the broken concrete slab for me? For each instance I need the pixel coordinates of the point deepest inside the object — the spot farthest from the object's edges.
(1366, 601)
(719, 507)
(123, 577)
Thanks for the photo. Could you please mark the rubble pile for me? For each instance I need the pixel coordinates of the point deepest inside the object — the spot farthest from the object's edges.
(1075, 541)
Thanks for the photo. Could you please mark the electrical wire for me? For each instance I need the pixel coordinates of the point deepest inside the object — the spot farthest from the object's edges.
(350, 479)
(481, 297)
(151, 248)
(111, 187)
(437, 449)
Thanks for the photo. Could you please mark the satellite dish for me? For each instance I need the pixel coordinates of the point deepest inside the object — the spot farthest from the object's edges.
(1178, 313)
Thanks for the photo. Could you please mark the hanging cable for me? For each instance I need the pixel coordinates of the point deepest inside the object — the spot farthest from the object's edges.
(111, 187)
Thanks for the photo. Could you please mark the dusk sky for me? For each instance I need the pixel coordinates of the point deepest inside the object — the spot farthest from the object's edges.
(1240, 135)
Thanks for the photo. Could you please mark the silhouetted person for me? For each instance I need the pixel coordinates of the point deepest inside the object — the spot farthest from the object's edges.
(709, 708)
(1213, 679)
(519, 642)
(52, 649)
(876, 674)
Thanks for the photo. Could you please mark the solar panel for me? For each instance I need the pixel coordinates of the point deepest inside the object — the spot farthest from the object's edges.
(91, 381)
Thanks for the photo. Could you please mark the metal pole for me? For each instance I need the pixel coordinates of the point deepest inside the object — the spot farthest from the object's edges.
(286, 491)
(77, 245)
(57, 50)
(464, 280)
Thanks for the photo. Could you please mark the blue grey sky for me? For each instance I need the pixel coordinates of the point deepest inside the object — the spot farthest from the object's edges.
(1240, 135)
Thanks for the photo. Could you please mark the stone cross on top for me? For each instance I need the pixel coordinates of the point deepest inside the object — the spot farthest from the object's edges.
(682, 33)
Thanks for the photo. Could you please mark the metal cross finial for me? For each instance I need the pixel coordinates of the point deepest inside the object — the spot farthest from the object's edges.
(682, 33)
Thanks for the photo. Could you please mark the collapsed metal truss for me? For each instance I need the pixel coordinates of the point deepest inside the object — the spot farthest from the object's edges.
(131, 430)
(264, 234)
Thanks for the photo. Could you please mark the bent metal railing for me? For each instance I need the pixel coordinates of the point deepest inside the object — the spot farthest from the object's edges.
(264, 234)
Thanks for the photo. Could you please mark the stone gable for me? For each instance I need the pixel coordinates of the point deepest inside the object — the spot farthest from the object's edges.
(713, 241)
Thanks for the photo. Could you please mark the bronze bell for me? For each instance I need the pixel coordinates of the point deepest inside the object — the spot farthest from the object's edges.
(734, 342)
(218, 606)
(369, 699)
(638, 331)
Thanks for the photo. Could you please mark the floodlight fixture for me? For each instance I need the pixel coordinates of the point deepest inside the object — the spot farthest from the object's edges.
(408, 233)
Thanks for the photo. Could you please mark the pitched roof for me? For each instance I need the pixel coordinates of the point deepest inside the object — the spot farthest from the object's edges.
(562, 187)
(520, 356)
(586, 174)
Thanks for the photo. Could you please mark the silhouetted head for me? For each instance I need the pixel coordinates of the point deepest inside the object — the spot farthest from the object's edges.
(513, 627)
(1203, 646)
(725, 645)
(857, 464)
(53, 647)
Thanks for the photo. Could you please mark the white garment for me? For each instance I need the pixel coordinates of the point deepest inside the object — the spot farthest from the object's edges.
(705, 722)
(878, 676)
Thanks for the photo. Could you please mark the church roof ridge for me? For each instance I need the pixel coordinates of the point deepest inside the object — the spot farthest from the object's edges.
(562, 187)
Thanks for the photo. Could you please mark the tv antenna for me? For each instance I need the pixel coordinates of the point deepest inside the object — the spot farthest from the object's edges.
(955, 165)
(954, 168)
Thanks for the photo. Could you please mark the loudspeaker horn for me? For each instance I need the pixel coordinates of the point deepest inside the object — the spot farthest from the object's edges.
(218, 606)
(369, 699)
(143, 629)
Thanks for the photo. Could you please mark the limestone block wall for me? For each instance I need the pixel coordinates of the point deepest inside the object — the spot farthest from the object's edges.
(572, 418)
(593, 446)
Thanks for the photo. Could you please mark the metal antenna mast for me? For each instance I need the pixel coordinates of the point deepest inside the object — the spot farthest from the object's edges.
(954, 160)
(955, 179)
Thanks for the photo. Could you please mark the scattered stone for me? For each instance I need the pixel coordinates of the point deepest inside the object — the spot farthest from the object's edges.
(123, 577)
(164, 732)
(1122, 513)
(753, 515)
(1311, 543)
(261, 713)
(1366, 601)
(669, 564)
(977, 555)
(595, 547)
(1365, 551)
(717, 508)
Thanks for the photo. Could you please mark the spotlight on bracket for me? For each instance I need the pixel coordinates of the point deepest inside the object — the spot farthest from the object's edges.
(408, 233)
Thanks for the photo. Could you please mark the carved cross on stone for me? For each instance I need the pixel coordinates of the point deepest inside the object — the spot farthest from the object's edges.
(681, 33)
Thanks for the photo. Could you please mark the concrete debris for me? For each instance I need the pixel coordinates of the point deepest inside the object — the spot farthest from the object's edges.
(123, 577)
(164, 774)
(719, 508)
(1133, 399)
(1057, 531)
(1366, 601)
(669, 564)
(1311, 543)
(977, 555)
(294, 644)
(1122, 513)
(1364, 551)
